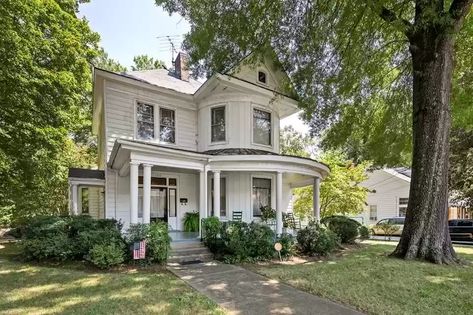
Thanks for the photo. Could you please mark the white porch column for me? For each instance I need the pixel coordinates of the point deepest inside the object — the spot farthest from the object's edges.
(75, 208)
(279, 222)
(134, 192)
(316, 198)
(216, 193)
(147, 193)
(202, 197)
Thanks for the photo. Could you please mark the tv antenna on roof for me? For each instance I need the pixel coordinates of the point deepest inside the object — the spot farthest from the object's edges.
(169, 42)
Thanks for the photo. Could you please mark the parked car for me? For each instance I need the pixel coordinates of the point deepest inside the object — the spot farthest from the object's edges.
(397, 222)
(461, 229)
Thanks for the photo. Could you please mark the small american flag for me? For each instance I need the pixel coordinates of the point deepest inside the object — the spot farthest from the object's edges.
(139, 250)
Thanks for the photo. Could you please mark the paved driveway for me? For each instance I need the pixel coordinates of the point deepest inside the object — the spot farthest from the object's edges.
(241, 291)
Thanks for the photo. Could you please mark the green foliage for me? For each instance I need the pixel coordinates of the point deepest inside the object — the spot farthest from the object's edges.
(267, 213)
(145, 62)
(461, 167)
(156, 235)
(238, 241)
(340, 192)
(345, 228)
(388, 229)
(350, 65)
(363, 232)
(67, 238)
(288, 244)
(191, 221)
(316, 240)
(294, 143)
(45, 104)
(106, 256)
(103, 61)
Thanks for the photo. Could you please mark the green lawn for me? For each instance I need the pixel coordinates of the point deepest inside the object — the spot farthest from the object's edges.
(374, 283)
(33, 289)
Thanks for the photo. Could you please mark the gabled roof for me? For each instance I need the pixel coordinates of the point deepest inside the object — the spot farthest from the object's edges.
(403, 173)
(164, 78)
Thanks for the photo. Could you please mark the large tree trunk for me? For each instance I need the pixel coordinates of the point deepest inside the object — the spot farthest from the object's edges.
(425, 234)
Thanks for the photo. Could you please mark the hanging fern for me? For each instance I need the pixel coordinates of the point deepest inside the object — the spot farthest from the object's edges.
(191, 222)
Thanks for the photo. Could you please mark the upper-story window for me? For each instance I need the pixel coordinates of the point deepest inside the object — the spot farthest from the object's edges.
(145, 121)
(261, 127)
(403, 206)
(167, 125)
(218, 124)
(262, 77)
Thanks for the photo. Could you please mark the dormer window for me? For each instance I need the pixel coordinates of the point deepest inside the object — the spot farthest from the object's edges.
(261, 127)
(145, 121)
(218, 124)
(262, 77)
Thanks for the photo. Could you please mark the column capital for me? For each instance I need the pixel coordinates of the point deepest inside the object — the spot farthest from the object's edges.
(279, 172)
(132, 162)
(216, 171)
(147, 165)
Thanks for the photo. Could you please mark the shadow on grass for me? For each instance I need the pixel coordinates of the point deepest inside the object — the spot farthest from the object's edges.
(30, 288)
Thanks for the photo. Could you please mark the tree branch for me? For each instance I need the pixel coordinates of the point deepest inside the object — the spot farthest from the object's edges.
(391, 17)
(458, 10)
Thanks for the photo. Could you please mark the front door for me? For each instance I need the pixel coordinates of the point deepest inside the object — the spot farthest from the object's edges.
(159, 204)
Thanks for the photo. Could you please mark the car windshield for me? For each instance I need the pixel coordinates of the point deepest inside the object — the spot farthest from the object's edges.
(398, 221)
(384, 221)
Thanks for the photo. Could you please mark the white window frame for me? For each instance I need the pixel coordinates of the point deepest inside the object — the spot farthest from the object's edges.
(135, 119)
(273, 191)
(271, 112)
(159, 125)
(226, 124)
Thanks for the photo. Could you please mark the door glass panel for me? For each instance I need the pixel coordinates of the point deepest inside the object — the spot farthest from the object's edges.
(172, 182)
(172, 202)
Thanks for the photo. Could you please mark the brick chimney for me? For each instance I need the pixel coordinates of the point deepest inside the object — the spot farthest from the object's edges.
(182, 72)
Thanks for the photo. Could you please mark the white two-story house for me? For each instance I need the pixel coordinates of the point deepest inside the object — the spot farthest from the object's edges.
(168, 144)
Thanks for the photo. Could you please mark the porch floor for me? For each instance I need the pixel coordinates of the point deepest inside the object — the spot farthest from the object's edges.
(180, 236)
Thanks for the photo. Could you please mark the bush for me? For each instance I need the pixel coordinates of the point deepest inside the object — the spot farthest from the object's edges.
(105, 256)
(288, 244)
(314, 239)
(345, 228)
(234, 237)
(260, 241)
(157, 240)
(66, 238)
(267, 213)
(191, 222)
(363, 232)
(211, 228)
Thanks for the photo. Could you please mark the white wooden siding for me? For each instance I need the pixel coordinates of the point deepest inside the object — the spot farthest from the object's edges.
(389, 189)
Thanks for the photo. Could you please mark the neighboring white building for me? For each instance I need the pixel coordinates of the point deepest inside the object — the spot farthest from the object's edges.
(168, 145)
(388, 196)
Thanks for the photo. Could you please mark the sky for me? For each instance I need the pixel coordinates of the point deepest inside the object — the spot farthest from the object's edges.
(129, 28)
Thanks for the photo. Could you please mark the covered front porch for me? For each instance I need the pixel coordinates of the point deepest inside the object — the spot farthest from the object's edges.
(156, 182)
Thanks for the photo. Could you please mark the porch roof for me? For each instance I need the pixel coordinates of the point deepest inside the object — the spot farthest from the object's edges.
(86, 177)
(230, 159)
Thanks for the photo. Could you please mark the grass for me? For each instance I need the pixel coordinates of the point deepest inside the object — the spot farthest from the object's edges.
(34, 289)
(367, 279)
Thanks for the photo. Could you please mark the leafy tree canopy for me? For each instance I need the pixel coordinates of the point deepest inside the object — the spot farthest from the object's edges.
(45, 84)
(294, 143)
(347, 59)
(145, 62)
(461, 167)
(103, 61)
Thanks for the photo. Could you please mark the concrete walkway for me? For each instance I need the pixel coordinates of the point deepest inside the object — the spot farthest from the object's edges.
(241, 291)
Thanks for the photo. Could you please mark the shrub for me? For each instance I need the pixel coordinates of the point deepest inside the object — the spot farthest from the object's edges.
(191, 222)
(389, 229)
(87, 239)
(157, 240)
(105, 256)
(314, 239)
(211, 228)
(288, 244)
(57, 247)
(260, 241)
(363, 232)
(345, 228)
(267, 213)
(234, 236)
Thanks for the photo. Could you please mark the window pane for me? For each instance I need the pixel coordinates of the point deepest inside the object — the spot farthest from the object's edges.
(145, 121)
(261, 194)
(403, 201)
(172, 182)
(261, 77)
(85, 200)
(167, 128)
(218, 124)
(373, 212)
(261, 127)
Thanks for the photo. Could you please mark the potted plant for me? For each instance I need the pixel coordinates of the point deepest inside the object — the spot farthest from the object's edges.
(267, 214)
(191, 221)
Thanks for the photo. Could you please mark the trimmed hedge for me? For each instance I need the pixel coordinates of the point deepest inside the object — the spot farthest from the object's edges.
(344, 227)
(156, 235)
(317, 240)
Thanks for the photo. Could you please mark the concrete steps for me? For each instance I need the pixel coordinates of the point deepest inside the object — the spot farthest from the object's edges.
(189, 251)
